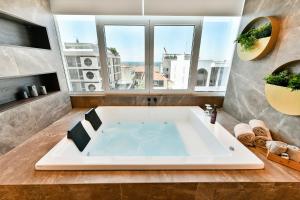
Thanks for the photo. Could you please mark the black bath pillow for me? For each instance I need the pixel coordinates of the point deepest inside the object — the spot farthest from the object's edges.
(79, 136)
(93, 118)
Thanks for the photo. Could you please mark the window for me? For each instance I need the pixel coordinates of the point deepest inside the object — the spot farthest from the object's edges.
(172, 56)
(78, 38)
(201, 77)
(147, 54)
(72, 61)
(216, 52)
(125, 56)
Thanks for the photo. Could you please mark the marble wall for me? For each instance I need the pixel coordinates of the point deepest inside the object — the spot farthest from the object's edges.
(245, 97)
(19, 123)
(142, 100)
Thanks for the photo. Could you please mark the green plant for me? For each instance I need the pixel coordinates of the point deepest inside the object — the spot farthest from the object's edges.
(285, 79)
(248, 39)
(280, 79)
(171, 57)
(263, 31)
(294, 82)
(114, 51)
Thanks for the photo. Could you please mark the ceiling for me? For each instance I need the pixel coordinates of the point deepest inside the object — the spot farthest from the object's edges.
(149, 7)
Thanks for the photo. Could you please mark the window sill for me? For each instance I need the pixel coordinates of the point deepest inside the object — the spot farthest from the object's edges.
(166, 93)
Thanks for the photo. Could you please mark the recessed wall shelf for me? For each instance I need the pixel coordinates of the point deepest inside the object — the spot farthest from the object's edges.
(263, 45)
(11, 88)
(283, 99)
(18, 32)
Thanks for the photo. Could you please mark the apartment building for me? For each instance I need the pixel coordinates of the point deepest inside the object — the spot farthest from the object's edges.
(210, 73)
(83, 67)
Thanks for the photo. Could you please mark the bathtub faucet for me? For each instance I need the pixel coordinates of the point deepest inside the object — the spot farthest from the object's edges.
(149, 99)
(155, 100)
(208, 109)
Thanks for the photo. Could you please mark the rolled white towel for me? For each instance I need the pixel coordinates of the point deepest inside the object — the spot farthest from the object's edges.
(276, 147)
(294, 152)
(260, 129)
(243, 132)
(260, 141)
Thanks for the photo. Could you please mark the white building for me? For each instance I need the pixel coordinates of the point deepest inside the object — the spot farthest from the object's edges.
(176, 68)
(179, 71)
(114, 68)
(211, 75)
(83, 66)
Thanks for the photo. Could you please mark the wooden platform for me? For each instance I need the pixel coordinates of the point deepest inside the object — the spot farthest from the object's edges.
(19, 180)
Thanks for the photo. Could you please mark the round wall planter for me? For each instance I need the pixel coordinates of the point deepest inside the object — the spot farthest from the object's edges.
(284, 99)
(263, 45)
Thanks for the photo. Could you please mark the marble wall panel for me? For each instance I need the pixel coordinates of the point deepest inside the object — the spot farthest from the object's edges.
(19, 123)
(142, 100)
(154, 191)
(8, 63)
(245, 97)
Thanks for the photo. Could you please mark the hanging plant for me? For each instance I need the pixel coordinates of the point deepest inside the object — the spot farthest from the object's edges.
(294, 82)
(249, 38)
(284, 79)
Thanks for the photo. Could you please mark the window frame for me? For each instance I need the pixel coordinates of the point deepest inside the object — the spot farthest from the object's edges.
(197, 23)
(149, 23)
(101, 22)
(64, 61)
(214, 90)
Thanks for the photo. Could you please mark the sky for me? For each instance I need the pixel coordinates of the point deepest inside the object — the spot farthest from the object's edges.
(176, 40)
(128, 40)
(217, 40)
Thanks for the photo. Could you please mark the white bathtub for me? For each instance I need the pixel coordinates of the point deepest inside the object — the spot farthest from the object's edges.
(198, 144)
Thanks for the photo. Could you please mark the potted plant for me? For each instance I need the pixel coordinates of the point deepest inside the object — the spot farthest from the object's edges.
(283, 92)
(257, 41)
(248, 39)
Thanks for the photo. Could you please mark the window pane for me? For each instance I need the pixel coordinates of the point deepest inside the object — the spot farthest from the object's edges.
(172, 56)
(80, 50)
(125, 56)
(216, 52)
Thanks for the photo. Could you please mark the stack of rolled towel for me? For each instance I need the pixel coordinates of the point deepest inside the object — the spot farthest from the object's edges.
(256, 133)
(284, 150)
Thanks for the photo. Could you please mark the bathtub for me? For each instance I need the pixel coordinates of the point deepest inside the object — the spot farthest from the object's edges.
(152, 138)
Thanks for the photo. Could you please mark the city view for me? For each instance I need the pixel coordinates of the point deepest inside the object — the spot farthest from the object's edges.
(125, 57)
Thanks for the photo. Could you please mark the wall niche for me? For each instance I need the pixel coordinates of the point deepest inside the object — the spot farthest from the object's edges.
(12, 89)
(18, 32)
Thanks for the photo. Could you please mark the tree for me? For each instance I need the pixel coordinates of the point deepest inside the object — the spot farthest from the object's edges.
(113, 51)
